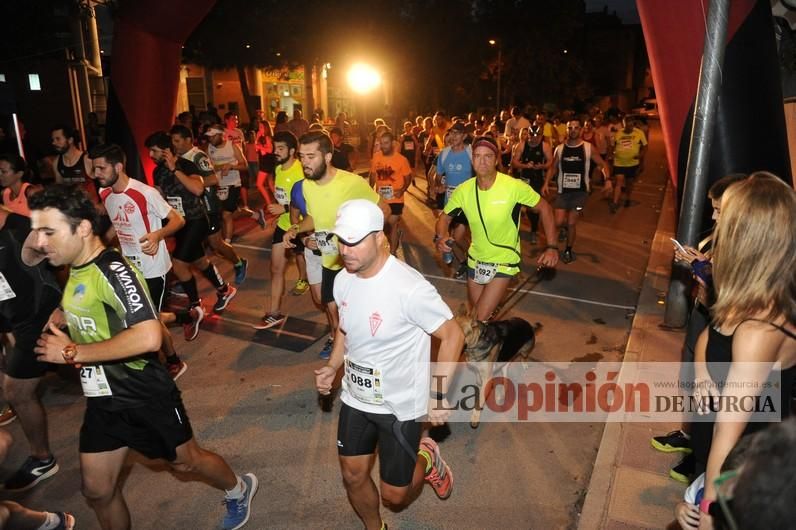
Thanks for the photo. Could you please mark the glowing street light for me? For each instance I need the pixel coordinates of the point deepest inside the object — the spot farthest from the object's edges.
(493, 42)
(363, 78)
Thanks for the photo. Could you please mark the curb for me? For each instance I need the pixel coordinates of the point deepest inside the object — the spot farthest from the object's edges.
(601, 484)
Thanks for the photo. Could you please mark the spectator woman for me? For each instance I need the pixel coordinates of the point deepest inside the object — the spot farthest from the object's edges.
(754, 318)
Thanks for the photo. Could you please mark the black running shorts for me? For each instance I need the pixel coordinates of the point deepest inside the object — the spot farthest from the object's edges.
(230, 204)
(396, 208)
(155, 429)
(213, 223)
(629, 172)
(358, 433)
(190, 240)
(327, 285)
(157, 288)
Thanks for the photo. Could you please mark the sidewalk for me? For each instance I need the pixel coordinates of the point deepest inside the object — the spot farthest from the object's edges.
(630, 488)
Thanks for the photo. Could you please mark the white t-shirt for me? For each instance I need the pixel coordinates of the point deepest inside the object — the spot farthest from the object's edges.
(225, 155)
(513, 125)
(387, 320)
(135, 212)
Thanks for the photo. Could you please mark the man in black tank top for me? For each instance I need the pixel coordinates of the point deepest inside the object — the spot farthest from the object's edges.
(532, 158)
(571, 165)
(72, 166)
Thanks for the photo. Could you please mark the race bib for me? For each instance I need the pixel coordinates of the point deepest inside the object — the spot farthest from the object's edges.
(409, 146)
(6, 292)
(94, 382)
(281, 196)
(484, 272)
(328, 247)
(176, 203)
(364, 383)
(386, 192)
(222, 192)
(131, 248)
(136, 261)
(571, 181)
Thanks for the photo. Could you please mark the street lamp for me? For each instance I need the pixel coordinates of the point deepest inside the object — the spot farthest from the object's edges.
(494, 42)
(363, 79)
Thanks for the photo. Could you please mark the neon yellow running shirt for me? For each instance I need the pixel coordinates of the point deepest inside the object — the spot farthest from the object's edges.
(500, 210)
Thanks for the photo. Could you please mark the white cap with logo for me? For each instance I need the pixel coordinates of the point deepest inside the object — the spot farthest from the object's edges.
(356, 219)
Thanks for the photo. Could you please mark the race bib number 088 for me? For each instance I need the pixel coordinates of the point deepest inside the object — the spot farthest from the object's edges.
(364, 383)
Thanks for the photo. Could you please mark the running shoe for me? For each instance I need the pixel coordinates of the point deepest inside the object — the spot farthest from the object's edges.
(31, 473)
(567, 256)
(176, 369)
(225, 298)
(66, 521)
(177, 290)
(191, 329)
(240, 271)
(684, 471)
(326, 352)
(260, 218)
(627, 203)
(246, 211)
(439, 477)
(270, 320)
(239, 510)
(7, 415)
(302, 286)
(613, 207)
(673, 442)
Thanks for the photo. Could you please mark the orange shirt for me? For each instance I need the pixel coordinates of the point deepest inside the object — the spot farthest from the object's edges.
(392, 174)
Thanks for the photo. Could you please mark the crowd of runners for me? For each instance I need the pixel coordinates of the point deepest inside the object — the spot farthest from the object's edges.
(96, 255)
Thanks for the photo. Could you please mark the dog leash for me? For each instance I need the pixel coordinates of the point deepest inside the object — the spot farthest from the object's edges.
(537, 276)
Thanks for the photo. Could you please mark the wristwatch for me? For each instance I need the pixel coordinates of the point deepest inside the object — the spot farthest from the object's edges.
(69, 353)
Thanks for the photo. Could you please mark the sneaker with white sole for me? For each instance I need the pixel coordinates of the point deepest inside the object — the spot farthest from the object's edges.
(439, 477)
(191, 329)
(239, 510)
(224, 299)
(7, 415)
(31, 473)
(270, 320)
(301, 287)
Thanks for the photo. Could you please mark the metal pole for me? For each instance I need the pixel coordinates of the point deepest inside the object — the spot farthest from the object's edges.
(500, 65)
(696, 174)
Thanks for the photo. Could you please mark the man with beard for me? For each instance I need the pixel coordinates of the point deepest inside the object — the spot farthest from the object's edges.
(71, 166)
(137, 212)
(571, 163)
(325, 189)
(387, 388)
(288, 172)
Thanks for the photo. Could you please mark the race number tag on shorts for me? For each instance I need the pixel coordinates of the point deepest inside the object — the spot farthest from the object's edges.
(571, 180)
(328, 247)
(484, 272)
(176, 203)
(281, 196)
(223, 192)
(364, 383)
(6, 292)
(386, 192)
(94, 382)
(409, 146)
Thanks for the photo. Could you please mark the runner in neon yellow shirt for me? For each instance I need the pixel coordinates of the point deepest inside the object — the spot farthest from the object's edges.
(630, 146)
(492, 201)
(325, 189)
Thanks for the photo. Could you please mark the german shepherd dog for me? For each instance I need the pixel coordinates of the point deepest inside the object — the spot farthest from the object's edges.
(487, 343)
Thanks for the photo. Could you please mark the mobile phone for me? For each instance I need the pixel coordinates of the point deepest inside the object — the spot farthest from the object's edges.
(679, 245)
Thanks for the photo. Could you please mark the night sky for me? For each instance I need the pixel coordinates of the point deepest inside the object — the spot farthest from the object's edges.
(626, 9)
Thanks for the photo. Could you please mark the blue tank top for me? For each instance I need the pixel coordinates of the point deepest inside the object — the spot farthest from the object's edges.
(297, 197)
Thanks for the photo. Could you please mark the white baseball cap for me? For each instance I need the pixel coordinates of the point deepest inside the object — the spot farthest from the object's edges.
(356, 219)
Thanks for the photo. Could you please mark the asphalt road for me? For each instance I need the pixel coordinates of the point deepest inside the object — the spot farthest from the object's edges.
(252, 399)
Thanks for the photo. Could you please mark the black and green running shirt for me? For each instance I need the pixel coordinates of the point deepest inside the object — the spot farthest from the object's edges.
(101, 299)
